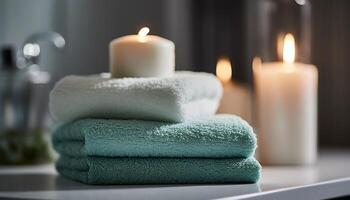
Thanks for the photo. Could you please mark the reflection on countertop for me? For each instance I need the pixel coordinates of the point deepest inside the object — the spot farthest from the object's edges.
(42, 182)
(329, 177)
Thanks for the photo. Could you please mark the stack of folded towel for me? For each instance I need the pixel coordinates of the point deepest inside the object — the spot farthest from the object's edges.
(149, 131)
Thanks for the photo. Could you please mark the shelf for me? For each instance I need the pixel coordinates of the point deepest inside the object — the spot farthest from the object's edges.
(329, 178)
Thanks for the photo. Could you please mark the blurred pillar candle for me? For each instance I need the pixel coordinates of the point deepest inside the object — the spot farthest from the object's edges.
(286, 94)
(236, 98)
(142, 55)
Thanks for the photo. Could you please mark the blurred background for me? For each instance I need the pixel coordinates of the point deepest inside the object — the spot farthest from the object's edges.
(203, 31)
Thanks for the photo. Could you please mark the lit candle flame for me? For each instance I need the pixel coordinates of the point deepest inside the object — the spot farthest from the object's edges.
(289, 48)
(224, 69)
(142, 33)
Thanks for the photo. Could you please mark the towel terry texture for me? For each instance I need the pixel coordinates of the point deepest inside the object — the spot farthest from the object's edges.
(215, 149)
(103, 170)
(149, 131)
(215, 136)
(184, 96)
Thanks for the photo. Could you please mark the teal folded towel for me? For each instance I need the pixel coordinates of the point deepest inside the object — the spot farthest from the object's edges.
(214, 149)
(220, 136)
(103, 170)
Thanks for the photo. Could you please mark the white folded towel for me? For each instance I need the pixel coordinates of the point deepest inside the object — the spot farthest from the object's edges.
(177, 98)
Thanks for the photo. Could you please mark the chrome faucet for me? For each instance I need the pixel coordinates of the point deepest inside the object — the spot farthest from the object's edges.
(30, 50)
(27, 81)
(24, 86)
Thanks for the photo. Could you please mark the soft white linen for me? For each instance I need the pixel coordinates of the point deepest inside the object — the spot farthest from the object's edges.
(177, 98)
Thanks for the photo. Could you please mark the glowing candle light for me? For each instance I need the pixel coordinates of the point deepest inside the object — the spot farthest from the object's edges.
(142, 55)
(286, 94)
(289, 49)
(143, 33)
(236, 97)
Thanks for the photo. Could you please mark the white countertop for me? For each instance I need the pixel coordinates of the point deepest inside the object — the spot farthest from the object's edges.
(330, 177)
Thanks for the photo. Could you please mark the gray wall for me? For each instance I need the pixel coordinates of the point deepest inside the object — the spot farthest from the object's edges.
(331, 53)
(2, 21)
(89, 25)
(19, 19)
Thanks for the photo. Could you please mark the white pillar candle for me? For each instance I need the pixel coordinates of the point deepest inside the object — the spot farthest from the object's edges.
(286, 94)
(142, 55)
(236, 98)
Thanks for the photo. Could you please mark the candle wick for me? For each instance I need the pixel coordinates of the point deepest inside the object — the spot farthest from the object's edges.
(143, 33)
